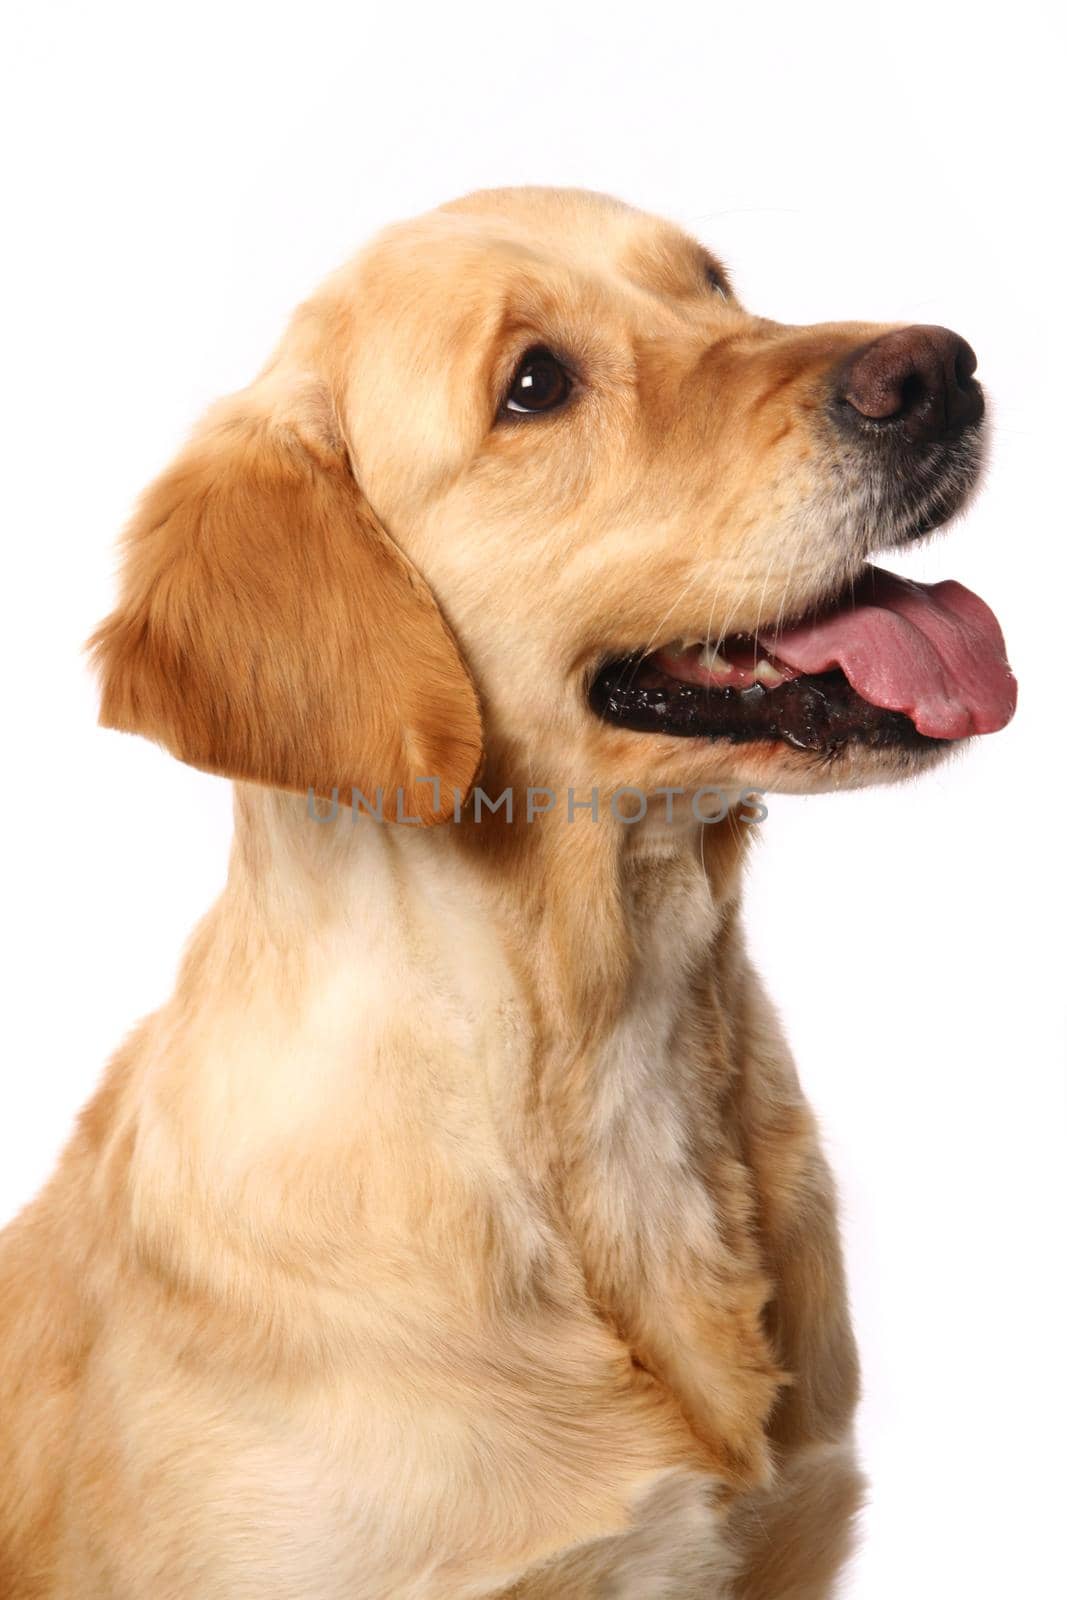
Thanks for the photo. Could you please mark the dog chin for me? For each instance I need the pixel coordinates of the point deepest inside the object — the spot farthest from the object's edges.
(774, 770)
(654, 764)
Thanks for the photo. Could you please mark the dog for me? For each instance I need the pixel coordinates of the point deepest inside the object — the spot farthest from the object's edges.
(459, 1228)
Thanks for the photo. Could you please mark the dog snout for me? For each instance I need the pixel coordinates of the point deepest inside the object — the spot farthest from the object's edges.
(917, 381)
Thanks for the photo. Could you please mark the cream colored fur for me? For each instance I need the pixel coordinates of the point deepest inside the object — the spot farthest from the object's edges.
(458, 1229)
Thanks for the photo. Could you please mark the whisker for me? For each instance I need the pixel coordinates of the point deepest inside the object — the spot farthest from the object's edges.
(658, 631)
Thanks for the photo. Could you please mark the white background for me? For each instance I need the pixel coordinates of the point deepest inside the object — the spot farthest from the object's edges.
(182, 176)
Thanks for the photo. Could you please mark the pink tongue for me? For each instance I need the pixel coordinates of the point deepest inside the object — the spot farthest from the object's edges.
(934, 651)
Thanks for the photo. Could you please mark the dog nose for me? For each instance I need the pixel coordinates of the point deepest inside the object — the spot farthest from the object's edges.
(919, 379)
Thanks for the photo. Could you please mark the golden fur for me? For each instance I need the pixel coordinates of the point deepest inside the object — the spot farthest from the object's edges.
(458, 1228)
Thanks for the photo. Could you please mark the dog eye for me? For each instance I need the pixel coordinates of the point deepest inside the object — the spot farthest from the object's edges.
(540, 383)
(715, 282)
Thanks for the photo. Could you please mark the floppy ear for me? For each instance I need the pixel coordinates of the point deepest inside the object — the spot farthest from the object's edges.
(269, 629)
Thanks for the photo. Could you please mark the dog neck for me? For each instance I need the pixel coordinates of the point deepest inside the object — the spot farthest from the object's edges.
(366, 994)
(503, 1052)
(579, 906)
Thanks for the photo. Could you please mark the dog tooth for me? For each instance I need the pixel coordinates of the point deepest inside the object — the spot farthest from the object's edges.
(712, 661)
(767, 674)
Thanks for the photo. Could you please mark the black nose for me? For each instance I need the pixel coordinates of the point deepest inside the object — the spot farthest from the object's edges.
(919, 381)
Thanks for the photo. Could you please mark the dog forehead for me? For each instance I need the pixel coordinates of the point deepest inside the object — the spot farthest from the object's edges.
(597, 232)
(469, 254)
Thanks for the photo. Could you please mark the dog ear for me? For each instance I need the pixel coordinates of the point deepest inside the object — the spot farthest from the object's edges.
(269, 629)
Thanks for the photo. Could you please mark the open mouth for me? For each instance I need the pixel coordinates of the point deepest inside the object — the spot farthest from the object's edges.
(889, 663)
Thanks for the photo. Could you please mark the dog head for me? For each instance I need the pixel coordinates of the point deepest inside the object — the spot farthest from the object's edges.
(532, 443)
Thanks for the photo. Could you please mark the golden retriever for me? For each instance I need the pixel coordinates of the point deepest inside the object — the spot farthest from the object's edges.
(458, 1228)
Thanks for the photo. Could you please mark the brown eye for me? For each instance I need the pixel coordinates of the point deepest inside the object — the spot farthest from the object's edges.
(540, 383)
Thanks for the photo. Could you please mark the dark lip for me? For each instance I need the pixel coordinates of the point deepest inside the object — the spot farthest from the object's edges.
(820, 714)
